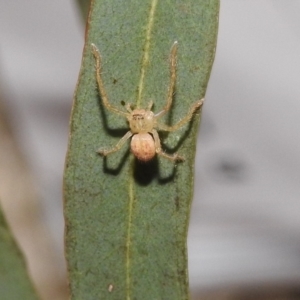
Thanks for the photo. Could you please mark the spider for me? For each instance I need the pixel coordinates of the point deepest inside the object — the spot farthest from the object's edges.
(145, 141)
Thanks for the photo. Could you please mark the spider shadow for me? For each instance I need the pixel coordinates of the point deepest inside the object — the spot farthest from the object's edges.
(183, 136)
(114, 132)
(145, 172)
(110, 168)
(184, 133)
(113, 169)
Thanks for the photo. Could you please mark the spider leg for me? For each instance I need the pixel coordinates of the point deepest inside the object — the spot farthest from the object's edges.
(150, 105)
(173, 56)
(102, 91)
(187, 118)
(117, 147)
(128, 107)
(159, 151)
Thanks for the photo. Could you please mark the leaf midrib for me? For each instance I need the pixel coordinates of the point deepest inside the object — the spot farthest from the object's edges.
(144, 64)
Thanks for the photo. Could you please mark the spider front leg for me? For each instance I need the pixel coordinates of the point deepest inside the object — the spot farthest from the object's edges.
(119, 145)
(159, 151)
(173, 56)
(186, 119)
(102, 91)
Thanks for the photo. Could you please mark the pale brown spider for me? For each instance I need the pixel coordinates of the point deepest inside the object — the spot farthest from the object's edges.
(145, 142)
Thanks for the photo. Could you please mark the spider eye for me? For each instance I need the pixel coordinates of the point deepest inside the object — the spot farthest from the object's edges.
(138, 117)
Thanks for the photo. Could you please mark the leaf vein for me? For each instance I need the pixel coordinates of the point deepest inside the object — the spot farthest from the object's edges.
(145, 59)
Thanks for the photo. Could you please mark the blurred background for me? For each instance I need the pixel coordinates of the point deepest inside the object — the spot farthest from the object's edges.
(244, 238)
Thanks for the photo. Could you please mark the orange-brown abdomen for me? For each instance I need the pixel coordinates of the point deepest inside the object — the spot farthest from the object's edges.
(143, 146)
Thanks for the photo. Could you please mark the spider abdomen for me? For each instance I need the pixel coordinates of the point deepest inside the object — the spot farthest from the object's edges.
(143, 146)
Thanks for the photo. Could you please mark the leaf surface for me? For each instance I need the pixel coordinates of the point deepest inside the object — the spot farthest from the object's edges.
(126, 221)
(84, 7)
(14, 280)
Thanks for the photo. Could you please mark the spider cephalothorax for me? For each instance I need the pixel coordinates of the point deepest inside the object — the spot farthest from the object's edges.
(145, 141)
(141, 120)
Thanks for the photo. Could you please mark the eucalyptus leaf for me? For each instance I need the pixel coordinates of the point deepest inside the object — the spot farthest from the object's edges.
(127, 221)
(14, 280)
(84, 7)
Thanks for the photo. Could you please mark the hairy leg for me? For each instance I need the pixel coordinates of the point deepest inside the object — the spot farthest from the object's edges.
(118, 146)
(183, 121)
(172, 81)
(174, 157)
(101, 85)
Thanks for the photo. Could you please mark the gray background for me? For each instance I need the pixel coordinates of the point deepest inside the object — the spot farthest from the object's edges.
(245, 223)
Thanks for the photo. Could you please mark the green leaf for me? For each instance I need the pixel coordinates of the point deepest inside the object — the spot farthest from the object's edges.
(84, 7)
(14, 281)
(126, 221)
